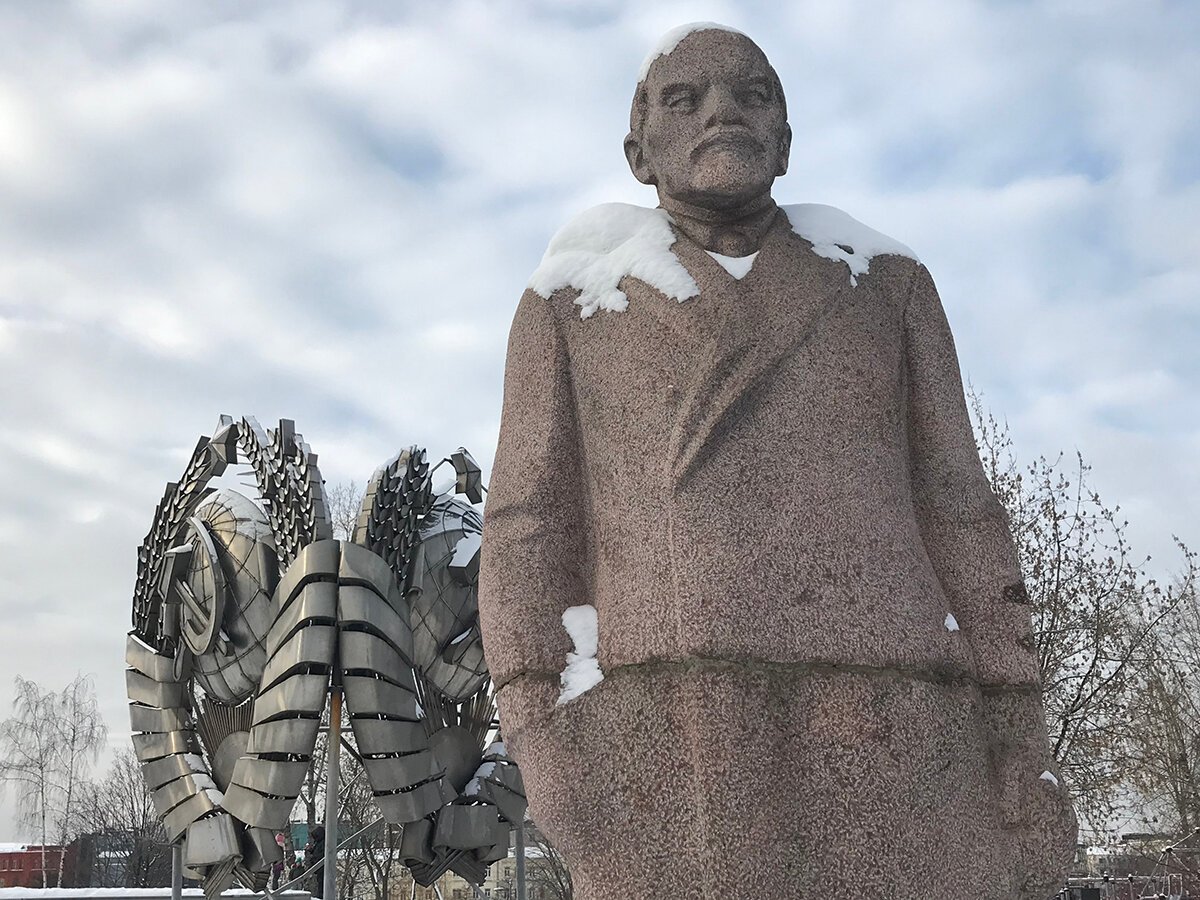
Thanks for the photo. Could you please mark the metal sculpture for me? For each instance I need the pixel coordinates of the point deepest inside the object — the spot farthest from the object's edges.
(248, 617)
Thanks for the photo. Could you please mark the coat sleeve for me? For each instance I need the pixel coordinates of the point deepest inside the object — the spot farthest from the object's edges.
(967, 536)
(535, 553)
(965, 528)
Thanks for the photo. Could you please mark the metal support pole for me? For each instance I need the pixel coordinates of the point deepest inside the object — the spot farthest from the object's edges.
(177, 870)
(334, 754)
(521, 860)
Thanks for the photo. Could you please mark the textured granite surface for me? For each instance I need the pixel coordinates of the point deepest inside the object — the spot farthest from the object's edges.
(771, 495)
(751, 780)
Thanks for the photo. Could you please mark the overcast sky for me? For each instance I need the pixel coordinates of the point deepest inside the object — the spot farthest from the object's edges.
(327, 211)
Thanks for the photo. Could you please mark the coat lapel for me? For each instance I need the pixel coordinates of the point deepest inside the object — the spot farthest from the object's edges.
(749, 328)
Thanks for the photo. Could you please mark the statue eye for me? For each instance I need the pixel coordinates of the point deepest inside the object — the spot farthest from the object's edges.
(680, 101)
(755, 95)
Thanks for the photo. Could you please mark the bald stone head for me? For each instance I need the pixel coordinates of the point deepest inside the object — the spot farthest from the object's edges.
(708, 126)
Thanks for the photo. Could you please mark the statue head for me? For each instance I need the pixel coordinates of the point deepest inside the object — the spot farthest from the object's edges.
(708, 127)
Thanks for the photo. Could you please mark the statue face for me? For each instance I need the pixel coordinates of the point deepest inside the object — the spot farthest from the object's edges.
(715, 133)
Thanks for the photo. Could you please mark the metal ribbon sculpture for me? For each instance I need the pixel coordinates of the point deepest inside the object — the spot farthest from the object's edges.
(245, 616)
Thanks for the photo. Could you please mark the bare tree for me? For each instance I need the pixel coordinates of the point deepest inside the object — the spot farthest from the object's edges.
(1165, 716)
(1096, 610)
(371, 863)
(47, 748)
(28, 757)
(369, 866)
(345, 503)
(117, 814)
(79, 732)
(312, 789)
(547, 874)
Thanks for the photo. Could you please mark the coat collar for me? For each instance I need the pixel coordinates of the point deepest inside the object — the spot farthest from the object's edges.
(740, 332)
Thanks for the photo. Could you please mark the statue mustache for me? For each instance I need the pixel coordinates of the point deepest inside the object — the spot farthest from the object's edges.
(734, 137)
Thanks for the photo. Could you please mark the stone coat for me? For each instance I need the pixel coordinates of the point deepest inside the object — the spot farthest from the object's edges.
(811, 618)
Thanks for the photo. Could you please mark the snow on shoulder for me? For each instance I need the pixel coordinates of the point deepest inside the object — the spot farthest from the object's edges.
(669, 41)
(599, 247)
(582, 672)
(835, 235)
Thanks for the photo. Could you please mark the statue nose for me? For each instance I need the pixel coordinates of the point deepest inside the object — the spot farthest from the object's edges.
(722, 107)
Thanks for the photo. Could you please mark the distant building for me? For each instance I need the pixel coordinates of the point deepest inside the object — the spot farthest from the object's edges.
(121, 858)
(21, 865)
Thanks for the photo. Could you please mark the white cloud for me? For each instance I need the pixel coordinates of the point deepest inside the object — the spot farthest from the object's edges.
(328, 211)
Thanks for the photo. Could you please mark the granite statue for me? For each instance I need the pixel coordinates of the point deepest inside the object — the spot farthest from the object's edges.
(251, 624)
(754, 616)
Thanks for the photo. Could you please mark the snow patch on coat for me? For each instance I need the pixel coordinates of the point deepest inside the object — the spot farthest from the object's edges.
(599, 247)
(837, 236)
(583, 671)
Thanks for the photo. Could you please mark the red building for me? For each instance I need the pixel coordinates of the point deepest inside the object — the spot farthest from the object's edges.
(21, 865)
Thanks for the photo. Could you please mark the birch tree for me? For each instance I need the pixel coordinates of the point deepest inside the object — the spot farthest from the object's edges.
(79, 732)
(47, 748)
(28, 758)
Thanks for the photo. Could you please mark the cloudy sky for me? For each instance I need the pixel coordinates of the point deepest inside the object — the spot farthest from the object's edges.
(327, 211)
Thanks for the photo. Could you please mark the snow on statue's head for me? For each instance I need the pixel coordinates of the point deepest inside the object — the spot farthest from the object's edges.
(708, 127)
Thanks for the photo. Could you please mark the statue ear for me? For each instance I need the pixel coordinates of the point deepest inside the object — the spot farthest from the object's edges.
(785, 149)
(637, 160)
